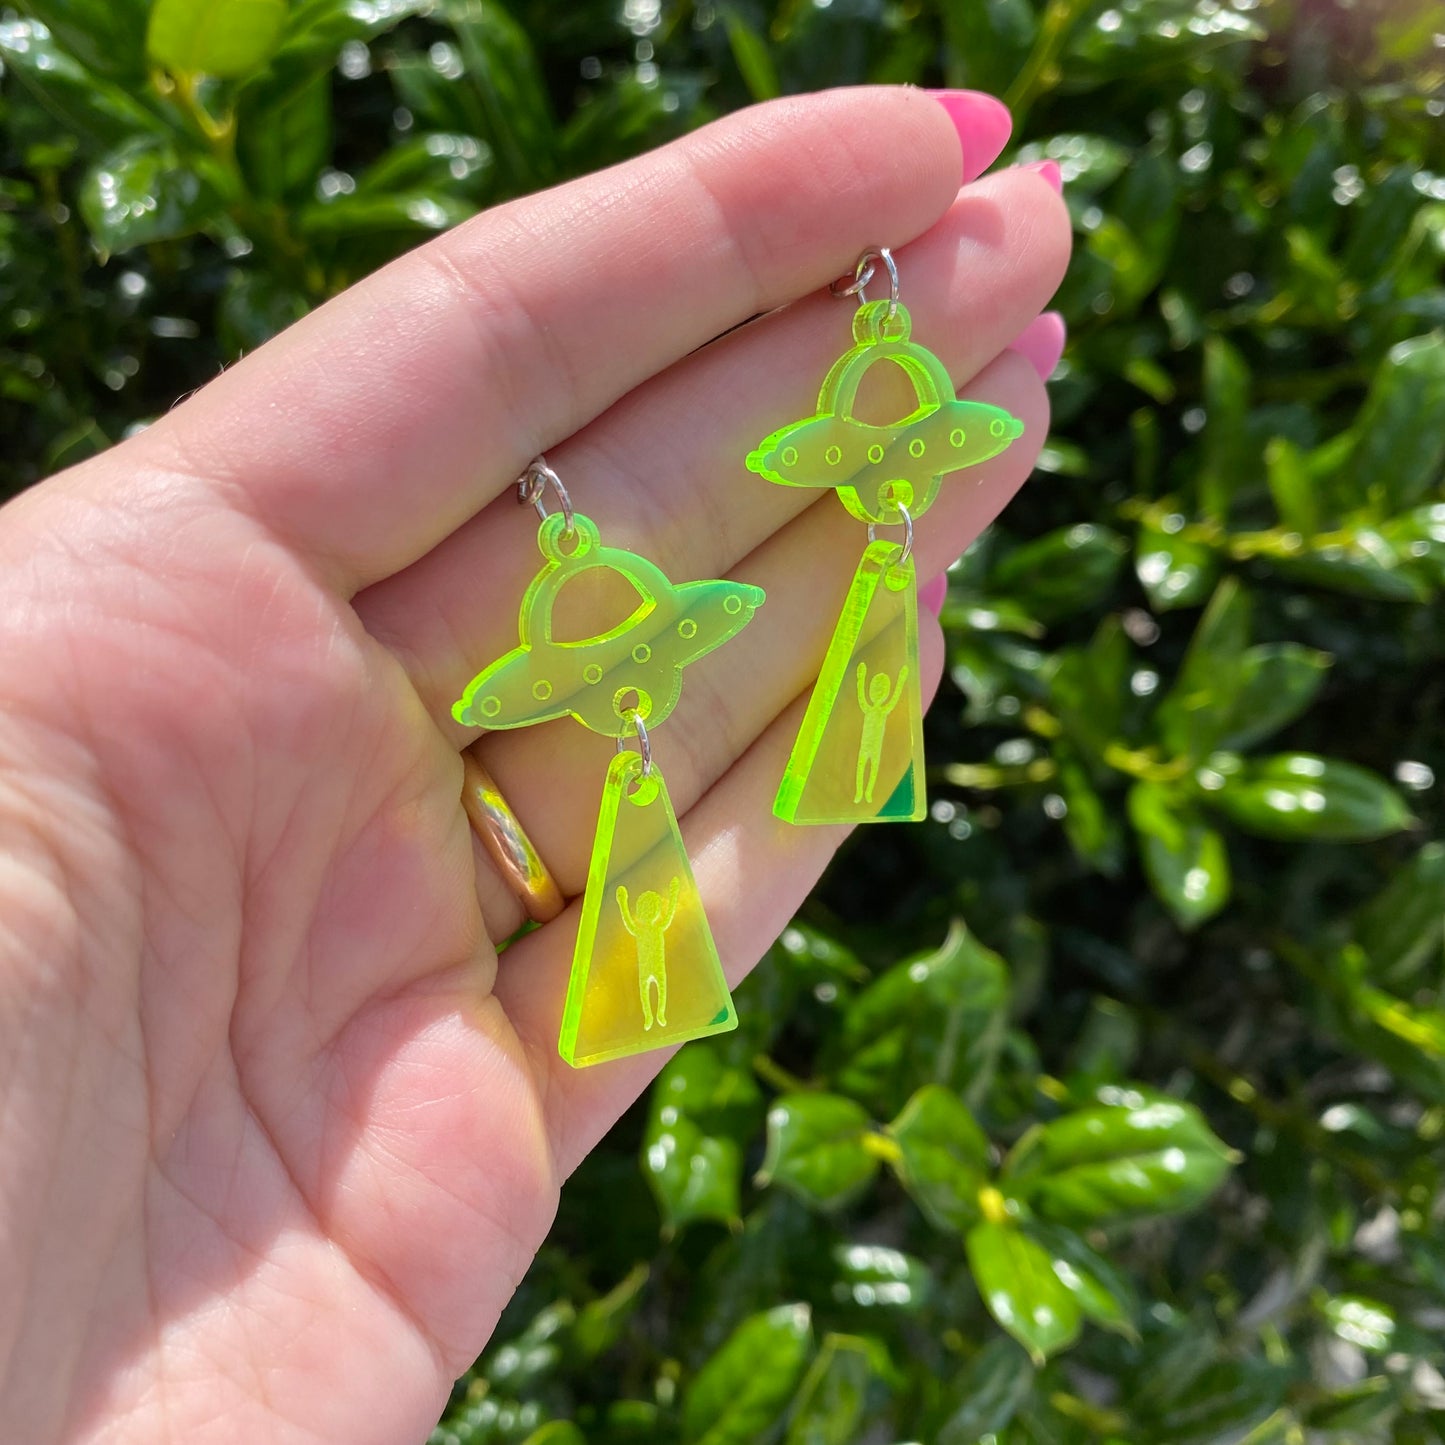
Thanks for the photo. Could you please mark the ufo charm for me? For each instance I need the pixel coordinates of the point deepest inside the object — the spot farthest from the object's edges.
(858, 757)
(645, 970)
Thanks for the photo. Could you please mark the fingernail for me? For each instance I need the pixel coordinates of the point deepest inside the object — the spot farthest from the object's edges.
(1050, 171)
(932, 594)
(983, 125)
(1041, 343)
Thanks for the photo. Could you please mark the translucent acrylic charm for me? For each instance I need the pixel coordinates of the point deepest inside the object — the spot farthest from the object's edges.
(858, 757)
(603, 679)
(645, 973)
(878, 469)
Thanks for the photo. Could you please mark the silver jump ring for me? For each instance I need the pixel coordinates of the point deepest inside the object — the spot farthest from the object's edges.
(907, 534)
(532, 488)
(863, 273)
(644, 743)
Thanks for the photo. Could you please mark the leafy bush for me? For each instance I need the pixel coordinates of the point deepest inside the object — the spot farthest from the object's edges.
(945, 1183)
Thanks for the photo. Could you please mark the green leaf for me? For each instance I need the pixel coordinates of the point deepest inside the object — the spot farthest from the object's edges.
(1278, 682)
(254, 307)
(1090, 822)
(435, 161)
(694, 1175)
(282, 145)
(1174, 571)
(1185, 860)
(1221, 1403)
(80, 100)
(751, 55)
(1360, 1321)
(1089, 689)
(143, 192)
(556, 1432)
(1402, 929)
(938, 1017)
(1401, 446)
(989, 1393)
(830, 1404)
(1369, 566)
(602, 1322)
(1301, 796)
(1292, 487)
(875, 1277)
(1087, 163)
(1226, 458)
(818, 1149)
(1016, 1280)
(943, 1156)
(1103, 1294)
(401, 212)
(105, 36)
(702, 1110)
(1197, 710)
(224, 38)
(741, 1393)
(1142, 1156)
(1062, 573)
(502, 67)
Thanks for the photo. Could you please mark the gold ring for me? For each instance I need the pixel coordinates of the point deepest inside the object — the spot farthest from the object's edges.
(519, 863)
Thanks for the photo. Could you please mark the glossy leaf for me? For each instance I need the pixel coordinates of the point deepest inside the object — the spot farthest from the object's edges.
(1401, 447)
(1278, 682)
(1197, 710)
(1142, 1156)
(943, 1156)
(80, 100)
(1017, 1281)
(831, 1400)
(225, 38)
(1185, 860)
(751, 56)
(818, 1149)
(744, 1389)
(105, 36)
(1102, 1293)
(1173, 570)
(988, 1394)
(1298, 795)
(401, 212)
(875, 1277)
(702, 1107)
(935, 1018)
(1064, 571)
(1226, 445)
(501, 65)
(142, 193)
(1402, 929)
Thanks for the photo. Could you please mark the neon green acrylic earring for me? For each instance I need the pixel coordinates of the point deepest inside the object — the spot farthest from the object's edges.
(858, 757)
(645, 970)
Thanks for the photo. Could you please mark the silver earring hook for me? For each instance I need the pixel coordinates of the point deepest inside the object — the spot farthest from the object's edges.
(863, 273)
(644, 743)
(532, 488)
(907, 534)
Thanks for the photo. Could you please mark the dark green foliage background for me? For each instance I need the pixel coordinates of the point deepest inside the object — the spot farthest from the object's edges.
(1185, 770)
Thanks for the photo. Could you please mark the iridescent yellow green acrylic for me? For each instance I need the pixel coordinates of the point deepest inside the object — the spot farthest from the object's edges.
(858, 757)
(645, 970)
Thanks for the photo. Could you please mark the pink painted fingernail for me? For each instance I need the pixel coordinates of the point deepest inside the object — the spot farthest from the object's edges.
(1041, 343)
(1050, 171)
(983, 125)
(932, 594)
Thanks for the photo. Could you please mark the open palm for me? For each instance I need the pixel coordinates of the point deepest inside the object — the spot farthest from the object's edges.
(278, 1133)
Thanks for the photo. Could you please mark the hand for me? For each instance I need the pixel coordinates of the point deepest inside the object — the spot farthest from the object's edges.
(278, 1135)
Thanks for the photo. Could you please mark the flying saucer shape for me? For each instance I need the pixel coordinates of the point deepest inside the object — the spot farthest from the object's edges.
(633, 669)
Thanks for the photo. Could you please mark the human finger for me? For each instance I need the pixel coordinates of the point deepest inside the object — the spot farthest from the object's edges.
(549, 773)
(370, 430)
(662, 471)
